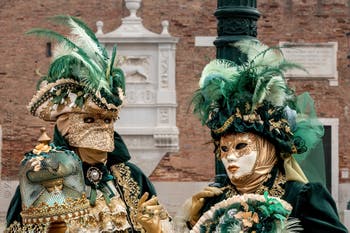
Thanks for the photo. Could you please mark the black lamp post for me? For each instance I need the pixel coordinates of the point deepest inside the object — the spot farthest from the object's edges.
(237, 20)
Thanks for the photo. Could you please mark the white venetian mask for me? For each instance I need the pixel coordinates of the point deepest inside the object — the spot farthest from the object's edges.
(238, 154)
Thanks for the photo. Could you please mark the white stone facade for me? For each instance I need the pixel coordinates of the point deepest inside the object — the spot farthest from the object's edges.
(148, 120)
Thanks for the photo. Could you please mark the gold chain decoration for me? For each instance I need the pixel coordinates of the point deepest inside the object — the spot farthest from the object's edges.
(249, 118)
(225, 125)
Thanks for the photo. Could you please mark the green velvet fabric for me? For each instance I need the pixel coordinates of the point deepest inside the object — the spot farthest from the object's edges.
(14, 210)
(314, 206)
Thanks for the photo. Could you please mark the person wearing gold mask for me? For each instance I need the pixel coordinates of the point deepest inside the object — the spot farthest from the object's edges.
(259, 126)
(83, 93)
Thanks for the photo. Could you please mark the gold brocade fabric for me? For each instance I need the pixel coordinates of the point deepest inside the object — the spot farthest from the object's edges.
(16, 227)
(266, 159)
(88, 130)
(103, 217)
(131, 190)
(276, 190)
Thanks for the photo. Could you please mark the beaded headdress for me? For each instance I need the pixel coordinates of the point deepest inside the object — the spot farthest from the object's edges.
(81, 77)
(254, 97)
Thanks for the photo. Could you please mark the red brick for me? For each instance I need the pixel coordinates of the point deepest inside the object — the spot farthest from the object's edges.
(298, 21)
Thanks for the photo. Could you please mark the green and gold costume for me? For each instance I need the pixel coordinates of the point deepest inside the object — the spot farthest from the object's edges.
(82, 93)
(260, 129)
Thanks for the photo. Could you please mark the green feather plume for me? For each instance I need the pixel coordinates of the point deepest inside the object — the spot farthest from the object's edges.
(84, 37)
(269, 66)
(89, 59)
(223, 83)
(52, 35)
(80, 70)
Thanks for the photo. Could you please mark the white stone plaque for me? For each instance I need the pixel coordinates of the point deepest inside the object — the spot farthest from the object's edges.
(319, 60)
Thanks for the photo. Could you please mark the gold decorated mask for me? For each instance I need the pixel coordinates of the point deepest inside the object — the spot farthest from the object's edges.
(88, 130)
(248, 159)
(238, 154)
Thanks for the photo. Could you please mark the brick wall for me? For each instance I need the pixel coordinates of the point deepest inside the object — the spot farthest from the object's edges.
(315, 21)
(287, 20)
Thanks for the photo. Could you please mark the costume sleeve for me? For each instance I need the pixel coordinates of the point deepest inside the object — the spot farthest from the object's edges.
(316, 209)
(15, 208)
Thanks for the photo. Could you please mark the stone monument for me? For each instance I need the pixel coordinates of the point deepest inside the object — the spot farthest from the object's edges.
(148, 120)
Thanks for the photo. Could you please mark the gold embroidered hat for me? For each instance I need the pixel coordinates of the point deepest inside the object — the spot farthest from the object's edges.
(254, 97)
(81, 76)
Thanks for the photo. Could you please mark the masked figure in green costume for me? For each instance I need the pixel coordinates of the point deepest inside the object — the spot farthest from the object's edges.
(258, 126)
(83, 93)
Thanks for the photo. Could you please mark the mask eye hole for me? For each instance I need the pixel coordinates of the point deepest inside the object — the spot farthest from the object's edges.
(240, 146)
(224, 148)
(107, 120)
(89, 120)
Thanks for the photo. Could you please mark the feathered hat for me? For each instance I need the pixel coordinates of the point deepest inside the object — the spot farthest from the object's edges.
(81, 76)
(254, 97)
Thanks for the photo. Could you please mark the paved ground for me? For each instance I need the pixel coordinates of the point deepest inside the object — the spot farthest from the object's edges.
(2, 221)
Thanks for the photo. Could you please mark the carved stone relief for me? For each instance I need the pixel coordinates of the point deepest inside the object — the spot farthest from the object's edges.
(136, 68)
(163, 116)
(148, 96)
(165, 137)
(131, 96)
(137, 95)
(164, 67)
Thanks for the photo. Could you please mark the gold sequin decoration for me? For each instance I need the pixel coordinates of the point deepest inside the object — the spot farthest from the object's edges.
(97, 135)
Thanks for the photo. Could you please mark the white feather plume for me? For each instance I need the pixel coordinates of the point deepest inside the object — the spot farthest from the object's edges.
(224, 68)
(260, 53)
(276, 91)
(84, 41)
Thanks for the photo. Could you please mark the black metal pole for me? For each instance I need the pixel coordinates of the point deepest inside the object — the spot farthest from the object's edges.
(237, 20)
